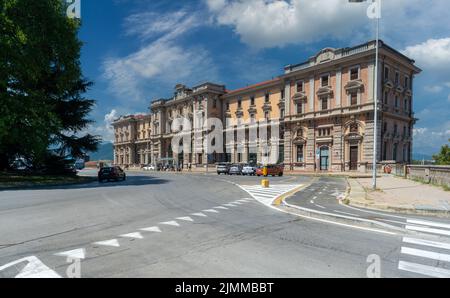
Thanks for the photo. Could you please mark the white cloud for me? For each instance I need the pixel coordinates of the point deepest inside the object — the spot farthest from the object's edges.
(432, 55)
(162, 61)
(276, 23)
(105, 130)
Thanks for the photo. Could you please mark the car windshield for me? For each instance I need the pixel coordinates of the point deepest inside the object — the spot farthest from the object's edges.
(106, 170)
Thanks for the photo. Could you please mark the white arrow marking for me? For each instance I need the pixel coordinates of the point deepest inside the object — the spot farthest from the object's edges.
(221, 207)
(73, 254)
(211, 211)
(136, 235)
(186, 218)
(112, 243)
(34, 269)
(170, 223)
(152, 229)
(199, 214)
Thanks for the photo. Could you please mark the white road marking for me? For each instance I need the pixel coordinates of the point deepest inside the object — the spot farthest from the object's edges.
(314, 198)
(185, 218)
(321, 207)
(152, 229)
(423, 269)
(243, 200)
(392, 221)
(112, 243)
(33, 269)
(170, 223)
(79, 253)
(229, 205)
(312, 202)
(199, 214)
(424, 242)
(238, 203)
(221, 207)
(425, 254)
(136, 235)
(266, 196)
(210, 211)
(428, 223)
(346, 213)
(428, 230)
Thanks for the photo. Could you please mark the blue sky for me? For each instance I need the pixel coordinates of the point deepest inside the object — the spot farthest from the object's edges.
(137, 50)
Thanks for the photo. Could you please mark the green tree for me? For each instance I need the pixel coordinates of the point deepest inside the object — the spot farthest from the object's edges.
(41, 84)
(443, 157)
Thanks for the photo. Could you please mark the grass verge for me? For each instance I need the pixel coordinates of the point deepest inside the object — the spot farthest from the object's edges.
(11, 181)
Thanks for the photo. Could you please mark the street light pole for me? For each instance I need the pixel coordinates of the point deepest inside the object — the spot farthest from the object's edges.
(375, 137)
(374, 11)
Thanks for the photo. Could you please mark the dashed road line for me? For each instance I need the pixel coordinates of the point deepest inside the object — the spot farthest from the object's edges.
(185, 218)
(170, 223)
(199, 214)
(111, 243)
(135, 235)
(152, 229)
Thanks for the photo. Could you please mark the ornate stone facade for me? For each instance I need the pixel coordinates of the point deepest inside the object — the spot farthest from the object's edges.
(325, 107)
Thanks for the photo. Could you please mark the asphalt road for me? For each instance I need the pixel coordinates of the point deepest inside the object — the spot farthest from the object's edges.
(194, 226)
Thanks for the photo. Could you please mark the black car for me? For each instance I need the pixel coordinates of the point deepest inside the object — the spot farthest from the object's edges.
(111, 173)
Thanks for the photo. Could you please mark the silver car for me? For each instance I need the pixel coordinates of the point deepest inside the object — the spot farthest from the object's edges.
(249, 170)
(235, 170)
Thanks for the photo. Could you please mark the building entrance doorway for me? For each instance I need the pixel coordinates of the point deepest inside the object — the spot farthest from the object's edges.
(353, 158)
(324, 158)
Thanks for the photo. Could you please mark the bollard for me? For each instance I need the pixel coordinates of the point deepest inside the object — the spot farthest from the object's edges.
(265, 183)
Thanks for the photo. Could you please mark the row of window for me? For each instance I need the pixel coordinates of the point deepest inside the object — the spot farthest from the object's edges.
(406, 130)
(406, 80)
(406, 101)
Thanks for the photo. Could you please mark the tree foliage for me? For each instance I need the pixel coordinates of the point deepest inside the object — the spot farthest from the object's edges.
(41, 84)
(443, 157)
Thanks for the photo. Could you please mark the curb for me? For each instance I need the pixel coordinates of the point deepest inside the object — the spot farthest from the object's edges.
(50, 185)
(389, 209)
(280, 203)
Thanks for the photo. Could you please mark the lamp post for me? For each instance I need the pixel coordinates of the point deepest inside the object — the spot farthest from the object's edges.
(374, 12)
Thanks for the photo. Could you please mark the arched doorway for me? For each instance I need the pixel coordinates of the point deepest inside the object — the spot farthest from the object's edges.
(324, 158)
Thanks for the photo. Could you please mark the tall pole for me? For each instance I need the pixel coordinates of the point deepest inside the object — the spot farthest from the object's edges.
(375, 128)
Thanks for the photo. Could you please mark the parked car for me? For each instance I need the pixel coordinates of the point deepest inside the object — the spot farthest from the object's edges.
(272, 170)
(235, 170)
(111, 173)
(249, 170)
(223, 168)
(149, 168)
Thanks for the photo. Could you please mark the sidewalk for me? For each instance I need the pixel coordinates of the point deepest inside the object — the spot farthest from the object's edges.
(399, 195)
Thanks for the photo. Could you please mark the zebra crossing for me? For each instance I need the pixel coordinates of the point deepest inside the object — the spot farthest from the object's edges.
(427, 255)
(267, 195)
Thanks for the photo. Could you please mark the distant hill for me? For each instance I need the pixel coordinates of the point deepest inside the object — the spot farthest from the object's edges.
(104, 152)
(422, 156)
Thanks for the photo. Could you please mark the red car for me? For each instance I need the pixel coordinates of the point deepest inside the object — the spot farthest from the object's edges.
(272, 170)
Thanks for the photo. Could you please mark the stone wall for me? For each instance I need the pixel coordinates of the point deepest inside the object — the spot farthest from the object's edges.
(439, 175)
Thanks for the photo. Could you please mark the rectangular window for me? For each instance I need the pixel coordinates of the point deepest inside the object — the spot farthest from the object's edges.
(282, 94)
(386, 73)
(324, 104)
(397, 78)
(299, 86)
(354, 73)
(214, 103)
(395, 129)
(239, 103)
(396, 101)
(252, 100)
(406, 82)
(394, 152)
(385, 127)
(266, 115)
(354, 98)
(300, 157)
(228, 106)
(267, 99)
(299, 108)
(325, 81)
(281, 113)
(386, 97)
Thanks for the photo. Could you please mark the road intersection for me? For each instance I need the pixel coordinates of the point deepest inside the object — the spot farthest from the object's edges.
(173, 225)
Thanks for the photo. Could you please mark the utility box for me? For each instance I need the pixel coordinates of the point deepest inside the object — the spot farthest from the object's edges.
(265, 183)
